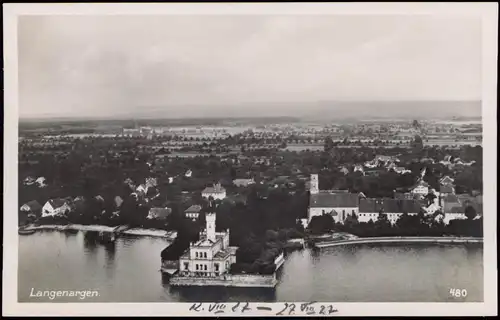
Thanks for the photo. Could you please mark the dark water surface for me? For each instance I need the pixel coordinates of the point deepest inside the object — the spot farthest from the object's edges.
(128, 271)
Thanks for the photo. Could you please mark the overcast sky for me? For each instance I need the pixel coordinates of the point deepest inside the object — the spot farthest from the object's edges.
(102, 65)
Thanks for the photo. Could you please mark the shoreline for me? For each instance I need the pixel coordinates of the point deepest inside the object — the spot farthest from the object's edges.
(327, 244)
(158, 233)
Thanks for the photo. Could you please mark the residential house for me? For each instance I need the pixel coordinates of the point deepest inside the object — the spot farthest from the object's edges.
(193, 212)
(217, 192)
(427, 160)
(421, 187)
(344, 170)
(446, 180)
(41, 182)
(404, 196)
(358, 168)
(29, 181)
(369, 209)
(159, 213)
(55, 207)
(32, 208)
(446, 189)
(453, 212)
(375, 172)
(142, 189)
(243, 182)
(452, 208)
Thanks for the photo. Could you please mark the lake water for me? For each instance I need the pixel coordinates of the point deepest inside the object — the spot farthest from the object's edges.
(128, 271)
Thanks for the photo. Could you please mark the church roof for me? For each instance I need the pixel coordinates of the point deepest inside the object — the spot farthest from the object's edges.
(334, 200)
(390, 205)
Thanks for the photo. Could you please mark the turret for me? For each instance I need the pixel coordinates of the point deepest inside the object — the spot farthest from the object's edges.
(210, 220)
(314, 186)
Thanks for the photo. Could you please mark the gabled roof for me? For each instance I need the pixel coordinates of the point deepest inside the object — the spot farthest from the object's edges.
(193, 209)
(451, 198)
(446, 189)
(334, 200)
(57, 203)
(420, 183)
(453, 209)
(216, 188)
(33, 205)
(446, 180)
(390, 205)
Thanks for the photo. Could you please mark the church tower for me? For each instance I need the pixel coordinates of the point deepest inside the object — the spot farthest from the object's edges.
(210, 218)
(314, 184)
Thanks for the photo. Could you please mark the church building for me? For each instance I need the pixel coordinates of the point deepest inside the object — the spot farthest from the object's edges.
(338, 203)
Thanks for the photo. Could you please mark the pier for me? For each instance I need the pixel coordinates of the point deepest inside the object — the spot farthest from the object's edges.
(327, 244)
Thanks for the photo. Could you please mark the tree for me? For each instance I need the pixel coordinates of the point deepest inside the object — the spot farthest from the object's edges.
(418, 142)
(430, 198)
(470, 212)
(328, 145)
(321, 224)
(382, 224)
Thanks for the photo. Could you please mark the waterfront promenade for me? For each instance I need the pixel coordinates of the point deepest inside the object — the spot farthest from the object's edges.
(120, 230)
(326, 244)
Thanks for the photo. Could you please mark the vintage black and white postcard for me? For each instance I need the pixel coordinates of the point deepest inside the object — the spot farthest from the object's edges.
(279, 159)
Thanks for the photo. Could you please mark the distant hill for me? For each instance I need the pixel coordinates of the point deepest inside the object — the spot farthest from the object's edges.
(290, 112)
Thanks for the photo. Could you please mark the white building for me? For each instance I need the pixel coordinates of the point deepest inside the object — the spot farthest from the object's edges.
(211, 256)
(369, 209)
(41, 182)
(421, 187)
(243, 182)
(217, 192)
(55, 207)
(193, 212)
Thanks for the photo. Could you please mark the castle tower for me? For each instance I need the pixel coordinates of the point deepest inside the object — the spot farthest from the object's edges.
(210, 218)
(314, 187)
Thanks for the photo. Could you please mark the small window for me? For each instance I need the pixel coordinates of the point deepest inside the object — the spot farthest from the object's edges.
(204, 254)
(196, 254)
(206, 267)
(197, 267)
(186, 265)
(216, 265)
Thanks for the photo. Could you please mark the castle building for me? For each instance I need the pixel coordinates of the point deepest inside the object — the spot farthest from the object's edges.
(211, 256)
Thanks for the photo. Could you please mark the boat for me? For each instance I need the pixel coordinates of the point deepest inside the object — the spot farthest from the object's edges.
(23, 231)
